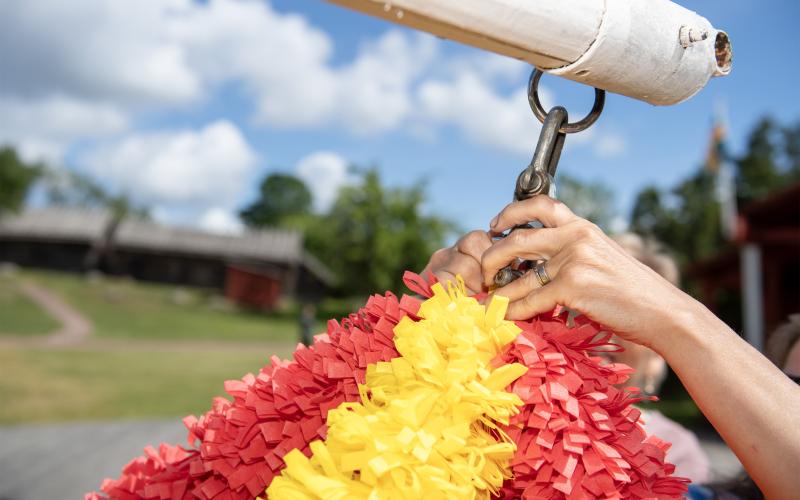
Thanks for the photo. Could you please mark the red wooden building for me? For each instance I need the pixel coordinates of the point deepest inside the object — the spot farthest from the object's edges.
(255, 268)
(763, 268)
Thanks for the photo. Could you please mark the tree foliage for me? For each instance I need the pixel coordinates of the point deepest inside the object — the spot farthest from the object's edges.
(16, 179)
(758, 171)
(74, 189)
(687, 217)
(374, 233)
(281, 196)
(593, 201)
(370, 235)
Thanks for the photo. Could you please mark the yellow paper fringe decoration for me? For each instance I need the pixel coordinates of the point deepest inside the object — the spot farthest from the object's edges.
(427, 426)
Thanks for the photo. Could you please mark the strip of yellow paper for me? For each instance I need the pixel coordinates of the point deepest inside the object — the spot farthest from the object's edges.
(428, 422)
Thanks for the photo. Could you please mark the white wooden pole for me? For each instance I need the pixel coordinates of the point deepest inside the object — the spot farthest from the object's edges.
(652, 50)
(752, 295)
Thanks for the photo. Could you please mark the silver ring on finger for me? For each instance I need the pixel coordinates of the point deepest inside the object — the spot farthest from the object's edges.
(541, 272)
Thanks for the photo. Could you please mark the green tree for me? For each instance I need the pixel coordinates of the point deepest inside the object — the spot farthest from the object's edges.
(649, 216)
(593, 201)
(791, 144)
(758, 172)
(373, 234)
(689, 225)
(698, 228)
(687, 218)
(281, 196)
(16, 179)
(75, 189)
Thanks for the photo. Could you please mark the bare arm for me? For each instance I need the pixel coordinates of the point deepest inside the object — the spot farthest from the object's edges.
(751, 403)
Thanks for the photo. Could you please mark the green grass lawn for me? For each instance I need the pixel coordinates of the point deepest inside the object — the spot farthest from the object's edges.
(132, 375)
(160, 351)
(121, 308)
(42, 385)
(18, 315)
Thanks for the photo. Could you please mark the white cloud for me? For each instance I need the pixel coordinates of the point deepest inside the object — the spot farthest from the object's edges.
(210, 167)
(43, 129)
(285, 65)
(473, 106)
(375, 91)
(466, 97)
(324, 172)
(221, 221)
(491, 67)
(156, 53)
(94, 49)
(280, 58)
(609, 145)
(87, 69)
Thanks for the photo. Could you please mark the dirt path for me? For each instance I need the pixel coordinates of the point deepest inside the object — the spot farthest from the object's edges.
(75, 327)
(75, 332)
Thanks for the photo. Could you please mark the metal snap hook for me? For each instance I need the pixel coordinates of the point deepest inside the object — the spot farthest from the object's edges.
(538, 177)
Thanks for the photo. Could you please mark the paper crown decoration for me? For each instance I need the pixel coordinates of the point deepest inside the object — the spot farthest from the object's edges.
(441, 398)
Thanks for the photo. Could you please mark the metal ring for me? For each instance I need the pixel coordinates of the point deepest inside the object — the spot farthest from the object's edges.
(567, 128)
(541, 273)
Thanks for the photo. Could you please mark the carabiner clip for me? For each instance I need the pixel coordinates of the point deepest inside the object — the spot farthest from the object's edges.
(538, 177)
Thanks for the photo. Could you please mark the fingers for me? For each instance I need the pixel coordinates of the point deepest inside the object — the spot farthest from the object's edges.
(530, 244)
(528, 282)
(474, 244)
(550, 212)
(438, 259)
(539, 301)
(448, 263)
(463, 259)
(469, 269)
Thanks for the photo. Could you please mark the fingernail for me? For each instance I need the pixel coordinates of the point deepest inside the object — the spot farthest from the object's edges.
(494, 222)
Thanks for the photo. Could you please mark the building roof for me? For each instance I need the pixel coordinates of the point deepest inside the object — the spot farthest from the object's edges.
(73, 225)
(781, 208)
(53, 224)
(772, 220)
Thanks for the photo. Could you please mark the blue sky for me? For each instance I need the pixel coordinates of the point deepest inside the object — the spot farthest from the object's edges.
(187, 106)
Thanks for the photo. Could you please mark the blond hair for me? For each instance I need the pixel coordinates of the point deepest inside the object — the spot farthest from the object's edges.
(783, 340)
(651, 253)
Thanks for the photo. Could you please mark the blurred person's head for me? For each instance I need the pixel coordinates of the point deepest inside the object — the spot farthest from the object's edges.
(783, 347)
(651, 369)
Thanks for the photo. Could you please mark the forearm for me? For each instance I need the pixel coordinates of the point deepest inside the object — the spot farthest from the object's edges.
(754, 407)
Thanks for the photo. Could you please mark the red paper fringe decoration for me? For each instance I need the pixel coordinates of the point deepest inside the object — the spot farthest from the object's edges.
(156, 474)
(242, 442)
(578, 436)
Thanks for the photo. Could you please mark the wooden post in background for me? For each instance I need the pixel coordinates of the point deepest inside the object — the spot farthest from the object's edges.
(652, 50)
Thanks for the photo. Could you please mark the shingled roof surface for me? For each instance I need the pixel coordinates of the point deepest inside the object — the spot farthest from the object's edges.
(70, 225)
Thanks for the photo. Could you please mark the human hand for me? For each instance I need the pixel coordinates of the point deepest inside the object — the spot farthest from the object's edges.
(463, 258)
(589, 272)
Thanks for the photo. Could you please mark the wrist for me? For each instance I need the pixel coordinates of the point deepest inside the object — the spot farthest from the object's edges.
(687, 326)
